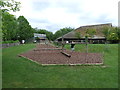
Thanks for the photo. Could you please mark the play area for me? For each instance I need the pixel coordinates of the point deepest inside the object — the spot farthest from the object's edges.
(51, 55)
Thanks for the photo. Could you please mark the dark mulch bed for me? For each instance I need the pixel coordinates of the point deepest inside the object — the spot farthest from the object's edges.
(53, 55)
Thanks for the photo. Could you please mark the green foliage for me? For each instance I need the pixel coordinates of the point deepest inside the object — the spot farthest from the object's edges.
(118, 32)
(62, 31)
(113, 36)
(9, 5)
(86, 39)
(9, 26)
(106, 31)
(111, 33)
(11, 41)
(37, 38)
(9, 23)
(91, 32)
(78, 34)
(114, 33)
(25, 31)
(49, 34)
(15, 29)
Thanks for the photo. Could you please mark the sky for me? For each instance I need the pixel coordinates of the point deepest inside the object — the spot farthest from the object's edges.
(53, 15)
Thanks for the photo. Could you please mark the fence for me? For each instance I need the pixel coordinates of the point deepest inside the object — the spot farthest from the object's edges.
(10, 44)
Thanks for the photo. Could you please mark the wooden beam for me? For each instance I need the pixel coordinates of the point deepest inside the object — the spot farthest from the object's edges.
(66, 54)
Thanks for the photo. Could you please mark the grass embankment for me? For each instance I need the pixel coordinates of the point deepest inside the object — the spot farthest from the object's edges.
(19, 72)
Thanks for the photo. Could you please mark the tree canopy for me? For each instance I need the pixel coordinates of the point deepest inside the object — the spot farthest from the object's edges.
(111, 33)
(9, 21)
(91, 32)
(9, 26)
(49, 34)
(62, 31)
(9, 5)
(25, 31)
(78, 35)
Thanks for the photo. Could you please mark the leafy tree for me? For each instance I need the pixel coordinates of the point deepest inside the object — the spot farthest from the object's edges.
(78, 35)
(112, 34)
(41, 31)
(91, 32)
(9, 23)
(49, 34)
(86, 40)
(118, 32)
(9, 5)
(25, 31)
(106, 31)
(9, 26)
(62, 31)
(57, 34)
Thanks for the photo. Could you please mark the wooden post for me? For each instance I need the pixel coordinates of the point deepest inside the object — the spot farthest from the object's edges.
(62, 41)
(86, 39)
(98, 41)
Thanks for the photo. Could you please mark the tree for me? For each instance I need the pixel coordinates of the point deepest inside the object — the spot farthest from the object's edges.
(62, 31)
(118, 32)
(9, 23)
(86, 40)
(25, 31)
(106, 31)
(78, 35)
(49, 34)
(9, 5)
(91, 32)
(9, 26)
(113, 35)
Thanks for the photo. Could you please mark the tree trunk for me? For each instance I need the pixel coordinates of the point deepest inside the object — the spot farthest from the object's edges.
(86, 48)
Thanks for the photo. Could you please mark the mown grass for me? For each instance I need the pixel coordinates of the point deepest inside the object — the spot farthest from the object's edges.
(19, 72)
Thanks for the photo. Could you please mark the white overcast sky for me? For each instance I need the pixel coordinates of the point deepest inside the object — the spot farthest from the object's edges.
(53, 15)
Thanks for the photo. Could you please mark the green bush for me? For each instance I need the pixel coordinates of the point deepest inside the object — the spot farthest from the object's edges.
(11, 41)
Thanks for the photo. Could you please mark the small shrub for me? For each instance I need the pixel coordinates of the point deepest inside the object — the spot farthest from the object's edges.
(10, 41)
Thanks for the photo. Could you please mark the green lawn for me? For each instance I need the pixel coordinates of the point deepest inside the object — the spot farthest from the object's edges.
(19, 72)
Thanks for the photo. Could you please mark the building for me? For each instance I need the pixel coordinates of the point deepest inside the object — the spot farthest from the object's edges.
(98, 37)
(41, 38)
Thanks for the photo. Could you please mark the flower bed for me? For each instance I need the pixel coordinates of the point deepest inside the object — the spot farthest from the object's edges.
(55, 57)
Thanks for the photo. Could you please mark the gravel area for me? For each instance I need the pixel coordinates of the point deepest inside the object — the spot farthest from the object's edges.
(50, 55)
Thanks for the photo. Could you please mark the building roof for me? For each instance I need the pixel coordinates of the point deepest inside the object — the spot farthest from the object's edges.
(41, 36)
(83, 30)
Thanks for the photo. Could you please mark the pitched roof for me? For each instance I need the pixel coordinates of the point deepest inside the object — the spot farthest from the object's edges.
(40, 36)
(83, 30)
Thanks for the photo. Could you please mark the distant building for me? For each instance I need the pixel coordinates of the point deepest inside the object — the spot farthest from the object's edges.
(98, 37)
(41, 38)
